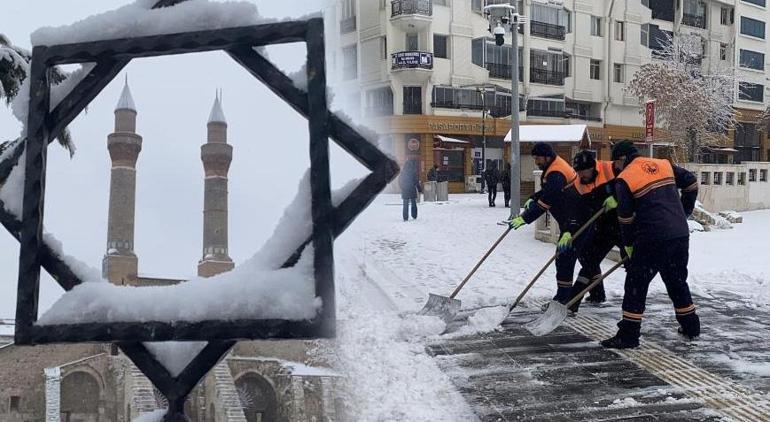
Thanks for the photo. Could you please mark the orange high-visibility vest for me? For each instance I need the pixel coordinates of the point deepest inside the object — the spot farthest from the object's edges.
(646, 174)
(558, 164)
(605, 174)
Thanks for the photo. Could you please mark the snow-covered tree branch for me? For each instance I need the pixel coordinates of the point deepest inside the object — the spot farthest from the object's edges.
(693, 104)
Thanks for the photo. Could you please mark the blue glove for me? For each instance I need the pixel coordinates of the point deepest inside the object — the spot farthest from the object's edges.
(517, 222)
(565, 243)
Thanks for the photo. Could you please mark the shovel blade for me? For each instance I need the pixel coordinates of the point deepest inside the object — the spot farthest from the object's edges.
(441, 306)
(549, 321)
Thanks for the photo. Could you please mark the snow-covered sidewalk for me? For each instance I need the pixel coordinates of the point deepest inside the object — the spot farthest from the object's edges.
(387, 267)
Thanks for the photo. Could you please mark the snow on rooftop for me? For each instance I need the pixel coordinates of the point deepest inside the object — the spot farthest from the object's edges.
(175, 355)
(12, 190)
(126, 101)
(139, 19)
(256, 289)
(551, 133)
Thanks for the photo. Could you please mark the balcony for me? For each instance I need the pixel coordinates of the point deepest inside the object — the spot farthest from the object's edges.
(412, 67)
(562, 114)
(547, 77)
(411, 15)
(546, 30)
(696, 21)
(502, 71)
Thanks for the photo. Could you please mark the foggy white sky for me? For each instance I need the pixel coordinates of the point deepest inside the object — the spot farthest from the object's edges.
(173, 96)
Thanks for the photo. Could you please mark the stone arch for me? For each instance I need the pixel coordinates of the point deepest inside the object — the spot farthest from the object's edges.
(257, 396)
(80, 397)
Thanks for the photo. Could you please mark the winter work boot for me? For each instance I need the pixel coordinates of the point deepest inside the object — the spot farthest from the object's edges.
(620, 342)
(687, 336)
(597, 295)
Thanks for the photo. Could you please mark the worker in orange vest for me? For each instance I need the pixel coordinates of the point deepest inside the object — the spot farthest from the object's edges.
(559, 197)
(655, 235)
(596, 185)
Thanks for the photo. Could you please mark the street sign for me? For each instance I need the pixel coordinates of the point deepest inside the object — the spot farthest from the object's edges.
(649, 120)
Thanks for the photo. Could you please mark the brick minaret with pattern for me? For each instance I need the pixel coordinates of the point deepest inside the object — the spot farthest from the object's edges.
(216, 155)
(120, 264)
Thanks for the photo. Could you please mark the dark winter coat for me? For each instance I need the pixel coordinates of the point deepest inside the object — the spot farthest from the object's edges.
(409, 181)
(491, 176)
(558, 196)
(433, 175)
(505, 179)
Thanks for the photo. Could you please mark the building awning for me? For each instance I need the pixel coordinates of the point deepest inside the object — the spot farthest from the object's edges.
(451, 140)
(553, 134)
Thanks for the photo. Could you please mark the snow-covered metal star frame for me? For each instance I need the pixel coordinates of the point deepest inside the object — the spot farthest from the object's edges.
(110, 57)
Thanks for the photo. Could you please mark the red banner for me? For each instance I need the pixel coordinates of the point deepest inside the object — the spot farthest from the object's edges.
(649, 120)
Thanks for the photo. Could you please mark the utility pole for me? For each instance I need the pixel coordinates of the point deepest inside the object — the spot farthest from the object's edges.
(515, 149)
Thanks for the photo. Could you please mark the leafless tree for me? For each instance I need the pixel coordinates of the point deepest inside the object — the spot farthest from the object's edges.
(693, 102)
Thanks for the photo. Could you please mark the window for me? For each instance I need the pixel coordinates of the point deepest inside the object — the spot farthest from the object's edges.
(752, 175)
(383, 4)
(752, 27)
(596, 26)
(546, 67)
(349, 63)
(14, 403)
(748, 91)
(705, 178)
(722, 51)
(596, 69)
(565, 60)
(742, 178)
(717, 177)
(412, 42)
(746, 142)
(348, 20)
(752, 60)
(763, 175)
(726, 16)
(379, 102)
(476, 5)
(620, 30)
(694, 13)
(617, 72)
(383, 48)
(440, 46)
(730, 178)
(412, 100)
(755, 2)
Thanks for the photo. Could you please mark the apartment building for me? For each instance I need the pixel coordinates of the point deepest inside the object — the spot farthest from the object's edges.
(428, 75)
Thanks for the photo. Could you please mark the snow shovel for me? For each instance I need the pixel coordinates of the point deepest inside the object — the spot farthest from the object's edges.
(557, 313)
(448, 307)
(553, 258)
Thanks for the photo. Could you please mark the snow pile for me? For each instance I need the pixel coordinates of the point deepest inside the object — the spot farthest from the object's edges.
(415, 327)
(175, 355)
(156, 416)
(732, 216)
(695, 226)
(709, 220)
(12, 189)
(256, 289)
(482, 321)
(138, 19)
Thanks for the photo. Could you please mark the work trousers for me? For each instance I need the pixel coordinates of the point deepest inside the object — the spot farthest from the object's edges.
(669, 259)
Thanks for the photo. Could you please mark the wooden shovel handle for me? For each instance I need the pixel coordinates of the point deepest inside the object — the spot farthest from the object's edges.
(594, 283)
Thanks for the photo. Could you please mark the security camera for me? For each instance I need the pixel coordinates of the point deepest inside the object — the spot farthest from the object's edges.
(499, 33)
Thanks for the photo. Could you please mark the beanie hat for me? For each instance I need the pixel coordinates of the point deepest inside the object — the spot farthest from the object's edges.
(541, 149)
(584, 160)
(624, 149)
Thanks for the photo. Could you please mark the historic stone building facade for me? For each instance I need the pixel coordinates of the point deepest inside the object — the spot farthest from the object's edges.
(258, 381)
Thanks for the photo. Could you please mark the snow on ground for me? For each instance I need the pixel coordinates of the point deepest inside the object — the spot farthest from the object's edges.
(386, 267)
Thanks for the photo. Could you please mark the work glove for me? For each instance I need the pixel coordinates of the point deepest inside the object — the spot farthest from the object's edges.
(629, 251)
(517, 222)
(565, 243)
(526, 204)
(610, 203)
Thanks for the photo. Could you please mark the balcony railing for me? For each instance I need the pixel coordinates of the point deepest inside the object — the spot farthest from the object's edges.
(411, 60)
(562, 114)
(494, 110)
(697, 21)
(411, 7)
(348, 25)
(502, 71)
(548, 77)
(546, 30)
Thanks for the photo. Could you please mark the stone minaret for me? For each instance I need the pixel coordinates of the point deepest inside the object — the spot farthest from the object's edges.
(216, 155)
(120, 264)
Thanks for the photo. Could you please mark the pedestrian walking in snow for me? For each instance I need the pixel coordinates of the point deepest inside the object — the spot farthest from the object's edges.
(559, 197)
(505, 180)
(596, 186)
(492, 177)
(409, 182)
(655, 235)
